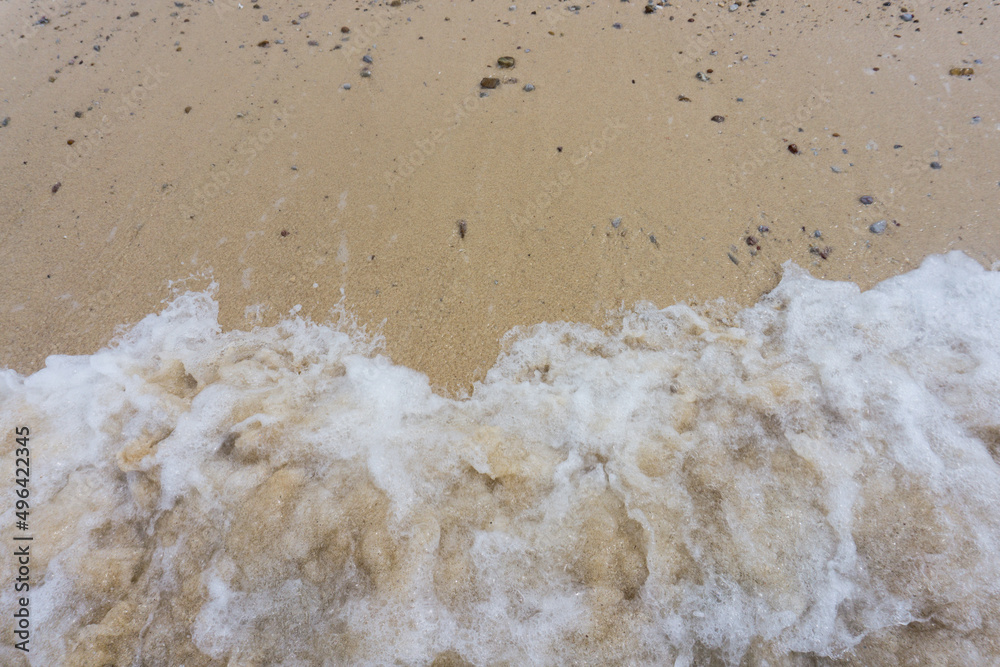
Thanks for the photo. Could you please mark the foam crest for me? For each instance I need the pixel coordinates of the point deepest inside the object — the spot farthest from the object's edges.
(815, 479)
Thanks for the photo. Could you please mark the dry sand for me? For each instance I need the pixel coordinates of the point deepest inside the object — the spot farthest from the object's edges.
(289, 189)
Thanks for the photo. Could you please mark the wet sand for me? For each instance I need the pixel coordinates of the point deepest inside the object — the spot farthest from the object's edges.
(197, 151)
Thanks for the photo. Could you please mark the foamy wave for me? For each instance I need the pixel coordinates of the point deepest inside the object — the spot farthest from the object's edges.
(817, 479)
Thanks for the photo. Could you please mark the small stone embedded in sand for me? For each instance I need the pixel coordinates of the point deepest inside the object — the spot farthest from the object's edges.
(649, 9)
(78, 114)
(505, 62)
(304, 15)
(312, 42)
(616, 26)
(345, 29)
(366, 73)
(877, 227)
(733, 7)
(367, 59)
(616, 222)
(490, 82)
(961, 71)
(701, 76)
(793, 149)
(836, 170)
(346, 86)
(732, 258)
(906, 16)
(187, 109)
(751, 240)
(528, 87)
(867, 200)
(264, 43)
(718, 119)
(935, 165)
(5, 122)
(395, 3)
(55, 188)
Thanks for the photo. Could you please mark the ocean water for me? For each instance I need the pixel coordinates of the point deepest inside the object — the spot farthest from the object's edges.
(813, 480)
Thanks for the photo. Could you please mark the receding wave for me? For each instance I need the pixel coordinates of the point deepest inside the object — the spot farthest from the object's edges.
(813, 480)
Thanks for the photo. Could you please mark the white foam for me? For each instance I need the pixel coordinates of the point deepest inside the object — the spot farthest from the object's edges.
(818, 477)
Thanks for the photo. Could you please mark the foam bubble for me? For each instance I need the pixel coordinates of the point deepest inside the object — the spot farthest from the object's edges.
(816, 478)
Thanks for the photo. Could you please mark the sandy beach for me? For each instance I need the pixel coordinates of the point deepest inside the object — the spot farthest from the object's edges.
(202, 141)
(472, 333)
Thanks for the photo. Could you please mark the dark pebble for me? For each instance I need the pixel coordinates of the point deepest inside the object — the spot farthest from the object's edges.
(793, 149)
(55, 188)
(718, 119)
(367, 58)
(505, 62)
(867, 200)
(817, 234)
(877, 227)
(935, 165)
(5, 122)
(763, 229)
(187, 109)
(265, 18)
(78, 114)
(490, 82)
(304, 15)
(751, 240)
(345, 29)
(616, 26)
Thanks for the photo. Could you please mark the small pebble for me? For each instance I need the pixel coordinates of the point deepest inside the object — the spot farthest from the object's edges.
(763, 229)
(294, 168)
(505, 62)
(279, 41)
(512, 8)
(528, 87)
(732, 258)
(616, 222)
(265, 18)
(817, 234)
(490, 82)
(733, 7)
(961, 71)
(877, 227)
(366, 73)
(346, 86)
(187, 109)
(836, 170)
(616, 26)
(55, 188)
(976, 120)
(701, 76)
(5, 122)
(304, 15)
(867, 200)
(935, 165)
(367, 58)
(906, 16)
(793, 149)
(718, 119)
(345, 29)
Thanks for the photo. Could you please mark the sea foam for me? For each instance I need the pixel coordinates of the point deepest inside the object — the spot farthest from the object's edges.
(815, 479)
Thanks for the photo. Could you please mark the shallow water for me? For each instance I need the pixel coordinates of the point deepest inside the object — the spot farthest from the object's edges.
(815, 481)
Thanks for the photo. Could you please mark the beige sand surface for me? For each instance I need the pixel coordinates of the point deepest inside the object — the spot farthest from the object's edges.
(289, 189)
